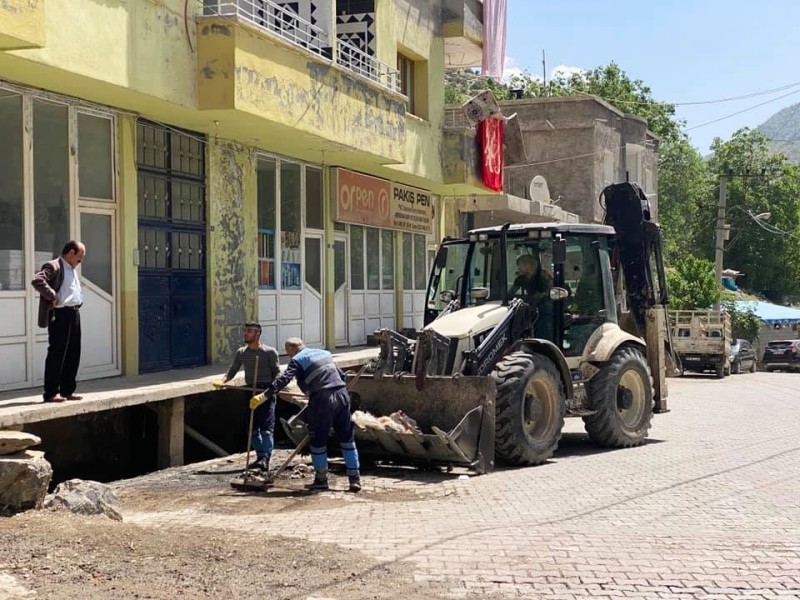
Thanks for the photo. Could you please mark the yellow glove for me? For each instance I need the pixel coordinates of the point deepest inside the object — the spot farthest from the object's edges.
(257, 401)
(219, 384)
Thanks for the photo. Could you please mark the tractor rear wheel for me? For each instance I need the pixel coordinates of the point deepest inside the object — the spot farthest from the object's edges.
(530, 408)
(621, 395)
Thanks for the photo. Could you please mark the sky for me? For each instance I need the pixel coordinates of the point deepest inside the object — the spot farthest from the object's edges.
(684, 50)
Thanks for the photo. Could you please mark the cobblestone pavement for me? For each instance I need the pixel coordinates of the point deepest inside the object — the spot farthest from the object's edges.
(708, 508)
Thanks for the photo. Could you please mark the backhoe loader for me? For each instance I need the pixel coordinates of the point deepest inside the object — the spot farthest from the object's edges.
(497, 367)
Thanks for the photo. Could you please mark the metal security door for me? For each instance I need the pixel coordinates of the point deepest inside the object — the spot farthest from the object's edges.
(172, 276)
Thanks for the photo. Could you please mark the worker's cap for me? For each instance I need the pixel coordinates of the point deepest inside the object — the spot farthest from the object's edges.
(253, 325)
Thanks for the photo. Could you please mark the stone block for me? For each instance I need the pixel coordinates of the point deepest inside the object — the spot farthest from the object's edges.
(85, 498)
(24, 478)
(17, 441)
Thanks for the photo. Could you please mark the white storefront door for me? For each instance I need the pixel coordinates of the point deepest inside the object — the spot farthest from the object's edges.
(313, 305)
(340, 290)
(99, 354)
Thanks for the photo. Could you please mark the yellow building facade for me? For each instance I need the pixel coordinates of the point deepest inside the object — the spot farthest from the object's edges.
(224, 160)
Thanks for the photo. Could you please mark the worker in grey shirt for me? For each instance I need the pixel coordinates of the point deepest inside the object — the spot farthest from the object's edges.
(263, 434)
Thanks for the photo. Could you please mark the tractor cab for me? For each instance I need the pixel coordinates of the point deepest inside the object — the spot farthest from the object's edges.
(561, 271)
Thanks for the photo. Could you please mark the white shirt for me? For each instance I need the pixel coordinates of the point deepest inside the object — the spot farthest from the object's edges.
(70, 293)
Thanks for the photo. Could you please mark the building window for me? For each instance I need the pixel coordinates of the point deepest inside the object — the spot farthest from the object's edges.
(373, 259)
(420, 264)
(314, 217)
(634, 155)
(267, 200)
(290, 226)
(608, 168)
(414, 84)
(50, 179)
(415, 264)
(95, 168)
(356, 257)
(406, 67)
(387, 257)
(11, 196)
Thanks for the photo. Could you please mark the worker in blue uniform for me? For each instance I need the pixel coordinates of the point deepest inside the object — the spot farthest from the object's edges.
(328, 406)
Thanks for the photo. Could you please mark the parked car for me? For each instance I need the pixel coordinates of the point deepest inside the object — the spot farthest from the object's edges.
(743, 357)
(782, 354)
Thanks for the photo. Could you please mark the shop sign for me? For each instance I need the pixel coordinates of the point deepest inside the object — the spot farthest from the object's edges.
(412, 209)
(362, 200)
(365, 200)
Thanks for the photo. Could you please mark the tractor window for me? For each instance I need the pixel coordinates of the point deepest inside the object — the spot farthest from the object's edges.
(484, 270)
(530, 277)
(585, 304)
(450, 278)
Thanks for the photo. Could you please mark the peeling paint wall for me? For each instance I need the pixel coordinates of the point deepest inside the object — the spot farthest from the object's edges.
(22, 24)
(138, 45)
(242, 70)
(414, 28)
(231, 243)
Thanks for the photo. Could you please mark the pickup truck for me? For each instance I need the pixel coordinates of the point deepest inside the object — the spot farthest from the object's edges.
(702, 340)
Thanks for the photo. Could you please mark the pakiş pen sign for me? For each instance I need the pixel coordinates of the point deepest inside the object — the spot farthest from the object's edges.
(365, 200)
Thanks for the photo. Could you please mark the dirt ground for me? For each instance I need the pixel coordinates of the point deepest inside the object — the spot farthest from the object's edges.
(58, 555)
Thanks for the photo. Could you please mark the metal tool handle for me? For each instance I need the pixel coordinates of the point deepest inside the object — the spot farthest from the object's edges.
(252, 413)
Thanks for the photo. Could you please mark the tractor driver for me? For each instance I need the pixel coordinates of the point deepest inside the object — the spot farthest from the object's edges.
(532, 280)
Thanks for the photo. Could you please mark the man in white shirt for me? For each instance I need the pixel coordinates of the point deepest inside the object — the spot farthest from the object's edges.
(60, 300)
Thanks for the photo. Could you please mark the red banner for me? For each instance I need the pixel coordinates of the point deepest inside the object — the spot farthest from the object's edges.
(490, 138)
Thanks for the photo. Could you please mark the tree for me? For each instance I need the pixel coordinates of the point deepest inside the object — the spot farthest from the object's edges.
(613, 85)
(685, 199)
(744, 322)
(692, 285)
(767, 250)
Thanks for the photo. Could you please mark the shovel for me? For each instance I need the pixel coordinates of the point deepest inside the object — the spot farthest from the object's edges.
(249, 480)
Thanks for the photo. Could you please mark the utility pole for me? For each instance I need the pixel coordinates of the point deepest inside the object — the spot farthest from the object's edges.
(722, 231)
(544, 74)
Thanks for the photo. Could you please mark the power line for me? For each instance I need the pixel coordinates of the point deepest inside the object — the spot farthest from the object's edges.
(477, 76)
(738, 112)
(586, 155)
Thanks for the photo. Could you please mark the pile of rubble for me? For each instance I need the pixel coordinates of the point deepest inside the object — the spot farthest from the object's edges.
(398, 421)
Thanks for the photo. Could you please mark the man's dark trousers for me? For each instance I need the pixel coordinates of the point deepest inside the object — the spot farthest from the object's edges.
(63, 352)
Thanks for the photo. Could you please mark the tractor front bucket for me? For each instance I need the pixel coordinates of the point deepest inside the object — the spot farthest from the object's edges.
(450, 421)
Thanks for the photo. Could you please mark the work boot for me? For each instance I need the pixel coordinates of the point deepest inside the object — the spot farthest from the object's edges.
(355, 483)
(320, 483)
(261, 465)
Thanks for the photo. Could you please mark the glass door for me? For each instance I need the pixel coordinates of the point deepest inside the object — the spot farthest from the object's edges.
(99, 353)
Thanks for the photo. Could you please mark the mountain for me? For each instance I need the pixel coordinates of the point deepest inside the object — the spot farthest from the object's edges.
(783, 130)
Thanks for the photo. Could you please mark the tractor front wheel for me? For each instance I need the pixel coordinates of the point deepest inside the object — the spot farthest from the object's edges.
(621, 395)
(530, 408)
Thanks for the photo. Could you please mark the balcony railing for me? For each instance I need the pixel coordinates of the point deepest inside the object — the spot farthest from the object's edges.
(358, 61)
(274, 18)
(455, 118)
(286, 24)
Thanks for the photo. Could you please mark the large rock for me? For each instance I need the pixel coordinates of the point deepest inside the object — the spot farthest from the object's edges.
(85, 498)
(11, 589)
(17, 441)
(24, 478)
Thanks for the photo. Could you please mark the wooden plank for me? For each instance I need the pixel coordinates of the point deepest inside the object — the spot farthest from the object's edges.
(170, 433)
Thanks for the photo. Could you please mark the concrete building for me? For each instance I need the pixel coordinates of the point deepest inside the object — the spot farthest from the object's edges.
(224, 161)
(579, 145)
